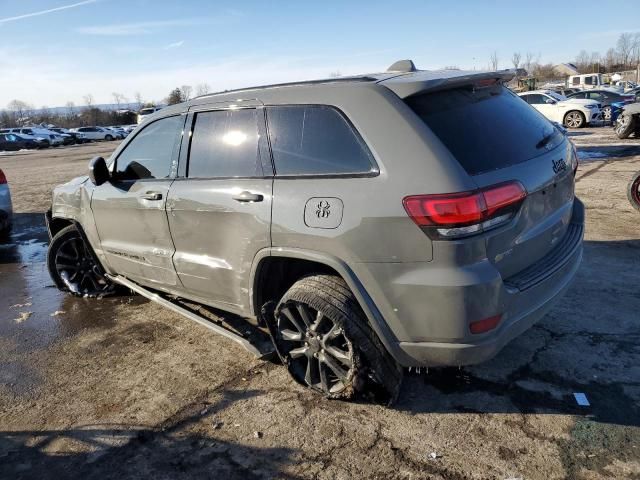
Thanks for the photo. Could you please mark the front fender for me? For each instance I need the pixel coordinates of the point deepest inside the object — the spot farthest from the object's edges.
(71, 203)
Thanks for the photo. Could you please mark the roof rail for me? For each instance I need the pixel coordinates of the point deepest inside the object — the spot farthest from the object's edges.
(355, 78)
(402, 66)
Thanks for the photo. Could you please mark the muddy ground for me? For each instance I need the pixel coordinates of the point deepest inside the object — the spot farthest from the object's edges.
(122, 388)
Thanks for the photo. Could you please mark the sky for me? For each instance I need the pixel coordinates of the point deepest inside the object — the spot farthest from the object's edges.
(56, 51)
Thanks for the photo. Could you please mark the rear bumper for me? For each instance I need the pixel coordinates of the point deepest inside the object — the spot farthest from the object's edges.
(440, 335)
(455, 354)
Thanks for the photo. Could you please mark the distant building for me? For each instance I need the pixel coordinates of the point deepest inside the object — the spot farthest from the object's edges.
(565, 69)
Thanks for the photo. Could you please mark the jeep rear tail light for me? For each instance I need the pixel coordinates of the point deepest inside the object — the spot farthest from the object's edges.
(3, 179)
(457, 215)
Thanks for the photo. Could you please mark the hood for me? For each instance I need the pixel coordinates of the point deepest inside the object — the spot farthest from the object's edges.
(632, 108)
(75, 181)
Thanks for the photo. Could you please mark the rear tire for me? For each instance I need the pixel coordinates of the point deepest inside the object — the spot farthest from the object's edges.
(633, 191)
(108, 137)
(625, 125)
(574, 119)
(72, 265)
(606, 113)
(324, 339)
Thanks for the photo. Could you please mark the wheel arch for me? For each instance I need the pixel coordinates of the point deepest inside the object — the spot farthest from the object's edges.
(268, 261)
(56, 224)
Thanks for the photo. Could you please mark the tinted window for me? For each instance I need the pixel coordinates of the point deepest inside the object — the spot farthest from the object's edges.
(588, 80)
(150, 152)
(225, 144)
(595, 96)
(485, 128)
(576, 80)
(315, 140)
(536, 99)
(579, 95)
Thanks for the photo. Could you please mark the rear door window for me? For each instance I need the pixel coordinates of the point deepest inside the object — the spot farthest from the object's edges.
(536, 99)
(225, 143)
(485, 128)
(316, 140)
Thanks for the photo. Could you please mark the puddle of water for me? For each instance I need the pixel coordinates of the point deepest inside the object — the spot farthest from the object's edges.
(33, 312)
(587, 153)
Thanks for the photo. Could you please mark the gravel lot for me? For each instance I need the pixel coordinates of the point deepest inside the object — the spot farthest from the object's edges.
(122, 388)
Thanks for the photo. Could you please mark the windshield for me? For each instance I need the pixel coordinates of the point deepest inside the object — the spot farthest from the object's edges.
(486, 128)
(147, 111)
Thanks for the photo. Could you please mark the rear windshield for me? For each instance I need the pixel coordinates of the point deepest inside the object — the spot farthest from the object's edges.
(486, 128)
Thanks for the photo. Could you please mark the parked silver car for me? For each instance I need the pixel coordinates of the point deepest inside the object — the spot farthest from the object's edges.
(407, 218)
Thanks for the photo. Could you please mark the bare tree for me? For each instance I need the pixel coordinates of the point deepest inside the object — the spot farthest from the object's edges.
(610, 59)
(595, 60)
(528, 59)
(186, 92)
(202, 89)
(582, 61)
(118, 98)
(139, 99)
(88, 100)
(20, 111)
(634, 56)
(71, 109)
(515, 59)
(493, 61)
(624, 46)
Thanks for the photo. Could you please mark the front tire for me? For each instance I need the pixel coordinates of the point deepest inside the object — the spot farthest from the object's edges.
(633, 191)
(574, 119)
(606, 113)
(72, 266)
(324, 339)
(625, 125)
(108, 138)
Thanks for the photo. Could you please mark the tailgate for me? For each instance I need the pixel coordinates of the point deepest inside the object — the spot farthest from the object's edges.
(544, 217)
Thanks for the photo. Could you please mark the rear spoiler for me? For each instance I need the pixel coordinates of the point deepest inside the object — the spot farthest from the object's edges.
(428, 81)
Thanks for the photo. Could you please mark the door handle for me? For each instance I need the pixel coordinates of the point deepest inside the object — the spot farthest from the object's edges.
(151, 196)
(247, 196)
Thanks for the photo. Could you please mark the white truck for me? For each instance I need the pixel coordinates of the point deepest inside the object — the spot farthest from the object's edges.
(585, 81)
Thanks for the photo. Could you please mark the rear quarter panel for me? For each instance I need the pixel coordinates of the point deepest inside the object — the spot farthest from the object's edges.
(374, 225)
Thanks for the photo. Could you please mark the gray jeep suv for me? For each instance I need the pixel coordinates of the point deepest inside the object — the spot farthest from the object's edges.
(408, 218)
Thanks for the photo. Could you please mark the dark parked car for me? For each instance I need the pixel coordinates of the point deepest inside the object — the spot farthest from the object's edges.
(70, 137)
(607, 99)
(13, 142)
(565, 92)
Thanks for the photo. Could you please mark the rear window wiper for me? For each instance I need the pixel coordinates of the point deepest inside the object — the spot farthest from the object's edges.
(546, 139)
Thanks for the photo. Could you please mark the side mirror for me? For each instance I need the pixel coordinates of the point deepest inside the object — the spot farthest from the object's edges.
(550, 102)
(98, 171)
